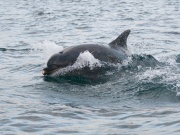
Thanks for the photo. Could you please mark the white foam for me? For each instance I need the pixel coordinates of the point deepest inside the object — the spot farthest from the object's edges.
(150, 74)
(178, 89)
(178, 94)
(87, 59)
(48, 48)
(127, 61)
(168, 74)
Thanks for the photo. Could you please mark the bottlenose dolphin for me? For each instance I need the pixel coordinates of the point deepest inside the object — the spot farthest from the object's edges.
(117, 52)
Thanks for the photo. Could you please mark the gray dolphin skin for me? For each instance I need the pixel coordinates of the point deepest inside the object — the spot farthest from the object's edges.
(115, 53)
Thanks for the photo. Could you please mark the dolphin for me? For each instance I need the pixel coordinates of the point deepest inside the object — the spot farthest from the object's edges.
(117, 52)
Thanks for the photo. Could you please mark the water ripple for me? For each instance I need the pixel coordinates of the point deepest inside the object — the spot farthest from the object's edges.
(142, 98)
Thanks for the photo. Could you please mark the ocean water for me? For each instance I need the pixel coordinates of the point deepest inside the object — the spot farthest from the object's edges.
(141, 98)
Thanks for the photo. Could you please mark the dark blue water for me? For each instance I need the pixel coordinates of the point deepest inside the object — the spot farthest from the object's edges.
(140, 98)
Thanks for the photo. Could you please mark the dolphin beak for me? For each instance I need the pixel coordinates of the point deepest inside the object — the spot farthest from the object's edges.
(44, 72)
(49, 70)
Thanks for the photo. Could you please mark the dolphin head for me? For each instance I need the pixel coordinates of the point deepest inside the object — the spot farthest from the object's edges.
(56, 62)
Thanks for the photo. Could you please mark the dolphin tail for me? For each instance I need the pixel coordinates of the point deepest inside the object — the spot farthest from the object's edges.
(121, 40)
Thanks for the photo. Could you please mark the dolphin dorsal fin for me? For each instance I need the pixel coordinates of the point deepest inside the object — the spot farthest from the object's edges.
(120, 41)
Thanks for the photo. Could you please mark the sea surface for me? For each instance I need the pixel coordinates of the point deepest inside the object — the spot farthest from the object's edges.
(143, 97)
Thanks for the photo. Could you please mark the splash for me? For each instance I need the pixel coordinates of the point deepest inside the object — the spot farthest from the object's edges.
(48, 48)
(87, 59)
(168, 74)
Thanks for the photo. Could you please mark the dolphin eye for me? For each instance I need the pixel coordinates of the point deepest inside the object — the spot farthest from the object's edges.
(61, 52)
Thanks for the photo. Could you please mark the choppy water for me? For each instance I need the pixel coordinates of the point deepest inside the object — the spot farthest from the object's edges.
(142, 99)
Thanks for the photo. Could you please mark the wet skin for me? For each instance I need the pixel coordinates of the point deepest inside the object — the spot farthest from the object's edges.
(116, 53)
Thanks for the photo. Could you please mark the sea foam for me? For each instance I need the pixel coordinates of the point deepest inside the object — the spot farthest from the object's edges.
(48, 48)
